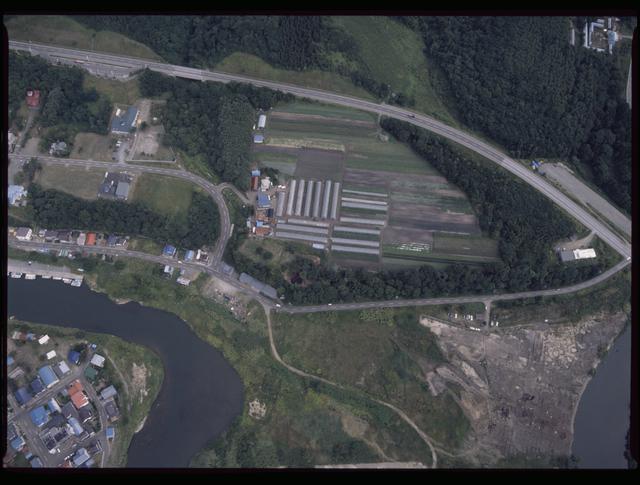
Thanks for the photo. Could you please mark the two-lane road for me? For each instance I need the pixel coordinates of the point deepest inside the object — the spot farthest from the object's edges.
(423, 121)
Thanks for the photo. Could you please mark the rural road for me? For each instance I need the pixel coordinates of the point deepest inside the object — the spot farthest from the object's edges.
(88, 59)
(215, 191)
(268, 303)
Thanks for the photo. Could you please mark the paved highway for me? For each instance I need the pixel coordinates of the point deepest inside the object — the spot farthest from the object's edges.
(423, 121)
(268, 303)
(213, 190)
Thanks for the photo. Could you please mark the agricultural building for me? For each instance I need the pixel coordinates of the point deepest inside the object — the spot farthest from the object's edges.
(124, 121)
(262, 121)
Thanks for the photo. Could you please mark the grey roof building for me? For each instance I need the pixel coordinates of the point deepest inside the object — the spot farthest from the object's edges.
(108, 392)
(124, 121)
(259, 286)
(122, 191)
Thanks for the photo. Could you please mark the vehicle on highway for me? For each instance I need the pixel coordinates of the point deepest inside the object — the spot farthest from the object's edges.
(329, 304)
(411, 116)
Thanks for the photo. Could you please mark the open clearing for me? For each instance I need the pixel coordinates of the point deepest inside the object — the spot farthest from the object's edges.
(91, 146)
(163, 194)
(250, 65)
(118, 92)
(80, 182)
(395, 55)
(64, 31)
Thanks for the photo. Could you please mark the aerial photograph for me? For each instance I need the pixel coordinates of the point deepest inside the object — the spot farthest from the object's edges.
(319, 242)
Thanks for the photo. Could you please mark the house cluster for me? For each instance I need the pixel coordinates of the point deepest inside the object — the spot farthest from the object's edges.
(263, 219)
(602, 34)
(190, 255)
(66, 236)
(66, 418)
(258, 136)
(115, 186)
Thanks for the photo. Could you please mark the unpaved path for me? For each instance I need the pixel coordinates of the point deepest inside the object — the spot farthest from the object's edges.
(422, 434)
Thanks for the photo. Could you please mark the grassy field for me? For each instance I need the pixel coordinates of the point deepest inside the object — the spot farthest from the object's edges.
(91, 146)
(383, 352)
(80, 182)
(64, 31)
(197, 165)
(481, 247)
(166, 195)
(134, 404)
(305, 423)
(394, 55)
(118, 92)
(250, 65)
(283, 162)
(282, 251)
(328, 110)
(145, 245)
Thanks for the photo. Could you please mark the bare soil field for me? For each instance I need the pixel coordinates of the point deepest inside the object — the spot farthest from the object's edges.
(519, 387)
(395, 234)
(320, 165)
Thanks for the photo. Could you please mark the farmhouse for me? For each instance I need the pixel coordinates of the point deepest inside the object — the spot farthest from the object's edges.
(115, 186)
(24, 234)
(577, 254)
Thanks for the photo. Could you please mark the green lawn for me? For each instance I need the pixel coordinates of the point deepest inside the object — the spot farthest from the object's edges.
(76, 181)
(465, 245)
(64, 31)
(163, 194)
(134, 404)
(118, 92)
(250, 65)
(394, 55)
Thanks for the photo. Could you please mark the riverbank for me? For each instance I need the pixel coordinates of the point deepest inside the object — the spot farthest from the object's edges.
(304, 424)
(133, 406)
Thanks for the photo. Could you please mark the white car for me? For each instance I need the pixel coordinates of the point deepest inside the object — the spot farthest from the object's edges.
(329, 304)
(278, 305)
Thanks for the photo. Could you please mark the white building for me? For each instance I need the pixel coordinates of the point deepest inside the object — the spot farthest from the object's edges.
(24, 234)
(51, 355)
(97, 360)
(262, 121)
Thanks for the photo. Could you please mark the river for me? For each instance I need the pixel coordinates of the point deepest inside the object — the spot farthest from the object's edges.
(201, 393)
(603, 416)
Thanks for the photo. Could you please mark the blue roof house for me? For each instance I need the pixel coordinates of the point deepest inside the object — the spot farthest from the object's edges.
(23, 396)
(263, 200)
(36, 463)
(74, 357)
(189, 255)
(111, 432)
(169, 251)
(258, 139)
(17, 443)
(39, 416)
(255, 173)
(36, 386)
(47, 375)
(10, 360)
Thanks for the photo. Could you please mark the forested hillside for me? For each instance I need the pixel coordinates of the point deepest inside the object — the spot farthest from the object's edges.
(518, 80)
(64, 103)
(212, 120)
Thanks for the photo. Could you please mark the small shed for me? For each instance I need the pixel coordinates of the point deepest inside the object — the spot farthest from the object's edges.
(63, 367)
(262, 121)
(43, 340)
(258, 139)
(51, 354)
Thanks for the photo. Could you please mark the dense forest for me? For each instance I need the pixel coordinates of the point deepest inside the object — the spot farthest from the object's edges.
(518, 80)
(212, 120)
(526, 223)
(66, 108)
(57, 210)
(287, 42)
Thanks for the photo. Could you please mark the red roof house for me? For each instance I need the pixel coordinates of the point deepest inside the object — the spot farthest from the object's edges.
(33, 98)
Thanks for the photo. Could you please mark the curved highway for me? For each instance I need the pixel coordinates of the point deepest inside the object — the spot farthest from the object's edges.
(423, 121)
